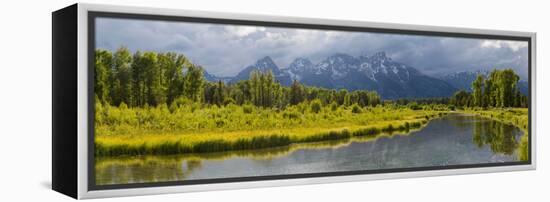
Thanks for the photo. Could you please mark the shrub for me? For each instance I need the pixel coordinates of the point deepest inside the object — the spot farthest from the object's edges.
(228, 101)
(291, 115)
(247, 109)
(334, 106)
(220, 123)
(316, 106)
(414, 106)
(355, 109)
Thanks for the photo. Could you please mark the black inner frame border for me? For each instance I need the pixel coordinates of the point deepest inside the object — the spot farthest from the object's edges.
(93, 15)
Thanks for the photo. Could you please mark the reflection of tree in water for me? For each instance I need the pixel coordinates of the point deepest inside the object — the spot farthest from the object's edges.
(463, 121)
(144, 169)
(193, 164)
(499, 136)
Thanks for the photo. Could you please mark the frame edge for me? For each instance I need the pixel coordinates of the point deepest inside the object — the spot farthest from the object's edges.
(85, 193)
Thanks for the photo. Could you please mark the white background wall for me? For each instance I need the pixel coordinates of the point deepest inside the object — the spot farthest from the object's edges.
(25, 99)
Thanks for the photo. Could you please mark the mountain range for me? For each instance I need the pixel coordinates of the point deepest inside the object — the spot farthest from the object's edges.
(378, 72)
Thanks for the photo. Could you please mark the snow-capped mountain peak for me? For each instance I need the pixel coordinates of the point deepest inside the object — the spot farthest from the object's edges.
(337, 65)
(298, 68)
(300, 65)
(266, 63)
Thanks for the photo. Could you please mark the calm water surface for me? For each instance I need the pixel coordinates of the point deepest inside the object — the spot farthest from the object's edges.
(451, 140)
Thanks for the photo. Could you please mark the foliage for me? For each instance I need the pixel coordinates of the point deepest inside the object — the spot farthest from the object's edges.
(356, 109)
(316, 106)
(477, 91)
(206, 128)
(499, 89)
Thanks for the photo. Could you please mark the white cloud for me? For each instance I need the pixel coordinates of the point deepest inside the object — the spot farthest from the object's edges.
(242, 31)
(514, 45)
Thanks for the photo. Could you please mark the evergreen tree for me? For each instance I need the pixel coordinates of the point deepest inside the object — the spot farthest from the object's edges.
(296, 93)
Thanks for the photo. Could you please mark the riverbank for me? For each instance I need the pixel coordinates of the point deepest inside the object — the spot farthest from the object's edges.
(279, 128)
(518, 117)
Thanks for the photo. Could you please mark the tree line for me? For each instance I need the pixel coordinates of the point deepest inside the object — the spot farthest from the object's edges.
(145, 77)
(150, 79)
(498, 89)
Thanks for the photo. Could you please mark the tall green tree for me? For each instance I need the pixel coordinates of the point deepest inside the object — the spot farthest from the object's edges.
(172, 65)
(139, 65)
(193, 83)
(268, 86)
(121, 90)
(154, 93)
(501, 88)
(508, 82)
(462, 99)
(488, 98)
(102, 74)
(296, 93)
(219, 93)
(477, 90)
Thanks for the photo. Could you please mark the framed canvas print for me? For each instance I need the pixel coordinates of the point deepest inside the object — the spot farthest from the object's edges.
(149, 101)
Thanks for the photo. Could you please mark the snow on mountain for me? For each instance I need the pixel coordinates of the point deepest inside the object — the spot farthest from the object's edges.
(298, 68)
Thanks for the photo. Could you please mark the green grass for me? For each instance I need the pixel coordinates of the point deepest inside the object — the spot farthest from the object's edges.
(204, 129)
(518, 117)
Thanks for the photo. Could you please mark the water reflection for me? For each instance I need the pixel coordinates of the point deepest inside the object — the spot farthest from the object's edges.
(144, 169)
(126, 169)
(500, 137)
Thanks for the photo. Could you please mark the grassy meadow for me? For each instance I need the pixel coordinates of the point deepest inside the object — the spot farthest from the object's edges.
(198, 128)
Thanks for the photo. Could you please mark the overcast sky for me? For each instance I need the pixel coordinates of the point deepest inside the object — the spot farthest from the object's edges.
(224, 50)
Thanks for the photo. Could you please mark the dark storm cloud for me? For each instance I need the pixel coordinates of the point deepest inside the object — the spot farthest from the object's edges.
(225, 49)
